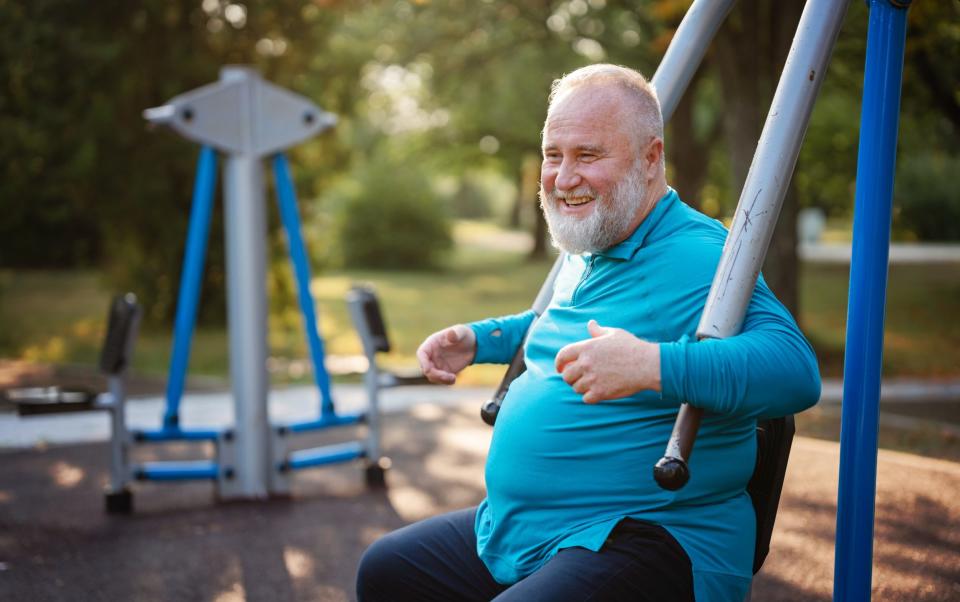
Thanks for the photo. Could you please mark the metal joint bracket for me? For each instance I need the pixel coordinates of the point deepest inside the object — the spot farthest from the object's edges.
(278, 479)
(243, 114)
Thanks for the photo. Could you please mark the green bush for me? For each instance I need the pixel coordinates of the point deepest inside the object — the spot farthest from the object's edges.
(928, 198)
(389, 216)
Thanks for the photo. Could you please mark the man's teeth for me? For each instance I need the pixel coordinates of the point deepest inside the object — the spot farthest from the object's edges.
(577, 200)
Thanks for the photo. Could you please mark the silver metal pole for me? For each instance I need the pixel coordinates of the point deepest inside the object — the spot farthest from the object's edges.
(686, 51)
(771, 169)
(759, 205)
(371, 382)
(245, 238)
(119, 440)
(372, 377)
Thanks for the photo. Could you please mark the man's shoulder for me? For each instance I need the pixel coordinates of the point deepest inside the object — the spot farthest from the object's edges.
(686, 228)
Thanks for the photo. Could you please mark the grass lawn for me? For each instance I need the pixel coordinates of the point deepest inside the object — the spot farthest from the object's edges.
(922, 334)
(58, 317)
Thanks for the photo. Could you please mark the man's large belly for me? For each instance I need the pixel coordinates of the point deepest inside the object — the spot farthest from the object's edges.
(551, 451)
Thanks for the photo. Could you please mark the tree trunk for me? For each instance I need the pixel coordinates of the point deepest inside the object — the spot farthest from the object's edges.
(738, 55)
(516, 209)
(686, 153)
(528, 197)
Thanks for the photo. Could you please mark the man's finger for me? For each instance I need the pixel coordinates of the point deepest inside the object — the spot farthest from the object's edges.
(451, 336)
(595, 329)
(435, 375)
(572, 372)
(424, 358)
(568, 354)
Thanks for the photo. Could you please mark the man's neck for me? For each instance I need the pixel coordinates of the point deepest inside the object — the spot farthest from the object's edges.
(655, 192)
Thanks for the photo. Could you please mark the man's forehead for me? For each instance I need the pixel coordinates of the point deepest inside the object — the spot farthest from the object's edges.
(587, 125)
(599, 97)
(598, 106)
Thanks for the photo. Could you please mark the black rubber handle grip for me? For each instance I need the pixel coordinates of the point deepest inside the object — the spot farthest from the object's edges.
(672, 472)
(491, 408)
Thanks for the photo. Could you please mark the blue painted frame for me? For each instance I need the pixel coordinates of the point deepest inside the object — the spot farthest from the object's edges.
(873, 202)
(287, 203)
(188, 301)
(191, 277)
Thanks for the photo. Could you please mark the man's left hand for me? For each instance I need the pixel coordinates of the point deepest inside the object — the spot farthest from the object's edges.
(611, 364)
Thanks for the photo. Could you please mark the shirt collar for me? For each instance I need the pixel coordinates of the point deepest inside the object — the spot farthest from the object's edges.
(628, 247)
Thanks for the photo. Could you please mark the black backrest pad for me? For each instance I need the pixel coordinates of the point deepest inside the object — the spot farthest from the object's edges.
(124, 312)
(372, 316)
(774, 438)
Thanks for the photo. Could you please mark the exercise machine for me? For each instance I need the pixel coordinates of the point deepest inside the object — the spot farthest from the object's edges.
(248, 120)
(746, 246)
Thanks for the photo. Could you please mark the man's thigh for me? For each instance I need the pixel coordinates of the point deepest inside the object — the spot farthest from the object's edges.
(435, 559)
(638, 562)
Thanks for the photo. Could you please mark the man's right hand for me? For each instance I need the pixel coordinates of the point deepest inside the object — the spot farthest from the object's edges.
(446, 352)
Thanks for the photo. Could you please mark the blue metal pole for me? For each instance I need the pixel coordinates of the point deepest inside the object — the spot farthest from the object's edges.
(287, 201)
(876, 160)
(321, 456)
(190, 280)
(187, 470)
(174, 434)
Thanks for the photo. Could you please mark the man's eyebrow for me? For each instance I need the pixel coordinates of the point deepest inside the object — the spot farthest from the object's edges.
(592, 148)
(583, 148)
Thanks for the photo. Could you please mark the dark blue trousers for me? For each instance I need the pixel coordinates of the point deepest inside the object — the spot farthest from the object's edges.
(436, 559)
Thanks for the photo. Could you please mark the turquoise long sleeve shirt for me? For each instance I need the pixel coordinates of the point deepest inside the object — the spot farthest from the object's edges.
(561, 473)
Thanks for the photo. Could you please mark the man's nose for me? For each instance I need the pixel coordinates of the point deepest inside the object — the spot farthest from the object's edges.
(567, 176)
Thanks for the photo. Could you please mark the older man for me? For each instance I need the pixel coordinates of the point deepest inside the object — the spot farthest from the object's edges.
(572, 511)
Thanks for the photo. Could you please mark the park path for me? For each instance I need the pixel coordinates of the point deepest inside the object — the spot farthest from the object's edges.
(57, 544)
(215, 409)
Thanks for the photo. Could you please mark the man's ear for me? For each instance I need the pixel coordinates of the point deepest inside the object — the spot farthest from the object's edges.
(654, 156)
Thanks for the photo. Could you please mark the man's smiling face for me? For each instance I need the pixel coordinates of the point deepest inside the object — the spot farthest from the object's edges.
(592, 182)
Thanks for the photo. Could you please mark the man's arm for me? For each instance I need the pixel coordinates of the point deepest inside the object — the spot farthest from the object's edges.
(443, 354)
(499, 338)
(767, 370)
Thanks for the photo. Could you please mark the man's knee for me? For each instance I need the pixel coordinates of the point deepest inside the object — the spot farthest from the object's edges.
(378, 570)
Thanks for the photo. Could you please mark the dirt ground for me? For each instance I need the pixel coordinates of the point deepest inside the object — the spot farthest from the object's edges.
(56, 543)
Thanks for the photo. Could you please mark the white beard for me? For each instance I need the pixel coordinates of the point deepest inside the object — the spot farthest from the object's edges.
(607, 223)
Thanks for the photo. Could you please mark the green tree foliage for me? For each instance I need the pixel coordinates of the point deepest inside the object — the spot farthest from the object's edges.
(389, 217)
(927, 197)
(490, 64)
(930, 105)
(457, 85)
(84, 182)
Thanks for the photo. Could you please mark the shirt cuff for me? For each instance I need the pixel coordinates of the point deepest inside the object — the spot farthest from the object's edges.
(673, 369)
(499, 338)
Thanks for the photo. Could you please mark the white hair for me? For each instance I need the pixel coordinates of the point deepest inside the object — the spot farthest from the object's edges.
(647, 116)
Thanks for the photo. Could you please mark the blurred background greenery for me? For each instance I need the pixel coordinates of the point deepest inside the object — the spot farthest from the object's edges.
(427, 187)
